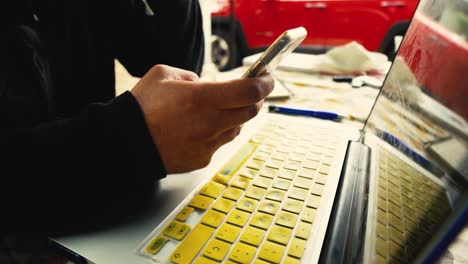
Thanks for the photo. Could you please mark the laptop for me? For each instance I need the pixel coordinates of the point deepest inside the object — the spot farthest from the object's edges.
(304, 190)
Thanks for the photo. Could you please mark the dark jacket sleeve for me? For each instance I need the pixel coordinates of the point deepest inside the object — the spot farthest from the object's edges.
(77, 170)
(163, 31)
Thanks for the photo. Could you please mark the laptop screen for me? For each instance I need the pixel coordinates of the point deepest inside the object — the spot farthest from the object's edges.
(420, 200)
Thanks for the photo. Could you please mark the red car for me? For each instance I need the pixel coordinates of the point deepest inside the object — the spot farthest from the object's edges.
(256, 24)
(441, 82)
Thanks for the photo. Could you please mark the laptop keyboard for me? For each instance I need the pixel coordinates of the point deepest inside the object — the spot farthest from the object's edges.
(259, 208)
(410, 206)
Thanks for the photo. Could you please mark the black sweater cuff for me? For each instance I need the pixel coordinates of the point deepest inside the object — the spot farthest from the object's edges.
(128, 118)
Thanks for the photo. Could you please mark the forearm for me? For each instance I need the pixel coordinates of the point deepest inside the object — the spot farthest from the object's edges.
(89, 164)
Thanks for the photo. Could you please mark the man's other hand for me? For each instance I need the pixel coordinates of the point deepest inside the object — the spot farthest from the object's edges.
(189, 119)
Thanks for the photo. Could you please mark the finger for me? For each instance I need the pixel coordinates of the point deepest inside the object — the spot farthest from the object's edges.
(231, 118)
(228, 136)
(171, 73)
(238, 93)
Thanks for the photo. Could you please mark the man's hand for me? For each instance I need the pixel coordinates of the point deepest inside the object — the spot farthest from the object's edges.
(189, 120)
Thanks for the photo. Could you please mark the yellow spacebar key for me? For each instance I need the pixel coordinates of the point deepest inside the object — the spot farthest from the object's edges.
(225, 174)
(191, 245)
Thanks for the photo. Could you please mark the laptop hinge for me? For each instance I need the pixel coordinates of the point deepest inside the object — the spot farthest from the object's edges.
(346, 229)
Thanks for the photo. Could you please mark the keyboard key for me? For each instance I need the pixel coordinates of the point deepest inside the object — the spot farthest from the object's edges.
(242, 253)
(287, 174)
(201, 201)
(311, 164)
(228, 232)
(289, 260)
(327, 160)
(266, 149)
(212, 218)
(395, 210)
(155, 245)
(259, 261)
(261, 156)
(176, 230)
(246, 204)
(182, 215)
(279, 234)
(303, 230)
(298, 193)
(397, 252)
(313, 201)
(275, 164)
(382, 204)
(203, 260)
(309, 215)
(383, 183)
(240, 182)
(382, 217)
(261, 220)
(307, 173)
(317, 189)
(281, 184)
(225, 174)
(254, 164)
(252, 236)
(380, 260)
(268, 172)
(279, 156)
(256, 193)
(258, 139)
(397, 236)
(269, 207)
(396, 223)
(223, 205)
(248, 173)
(382, 247)
(216, 249)
(303, 183)
(191, 245)
(238, 217)
(321, 178)
(395, 180)
(286, 219)
(292, 165)
(212, 189)
(324, 169)
(297, 248)
(296, 157)
(271, 252)
(262, 182)
(382, 193)
(382, 231)
(293, 206)
(275, 195)
(232, 193)
(392, 197)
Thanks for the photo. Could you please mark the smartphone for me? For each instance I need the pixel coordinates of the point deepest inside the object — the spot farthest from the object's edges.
(280, 48)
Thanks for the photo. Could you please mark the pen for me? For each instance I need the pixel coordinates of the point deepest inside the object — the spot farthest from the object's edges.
(304, 112)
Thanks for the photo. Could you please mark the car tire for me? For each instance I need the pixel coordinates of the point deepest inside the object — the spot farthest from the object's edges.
(224, 50)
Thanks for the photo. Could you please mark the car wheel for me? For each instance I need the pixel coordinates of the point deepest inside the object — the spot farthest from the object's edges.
(387, 46)
(224, 50)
